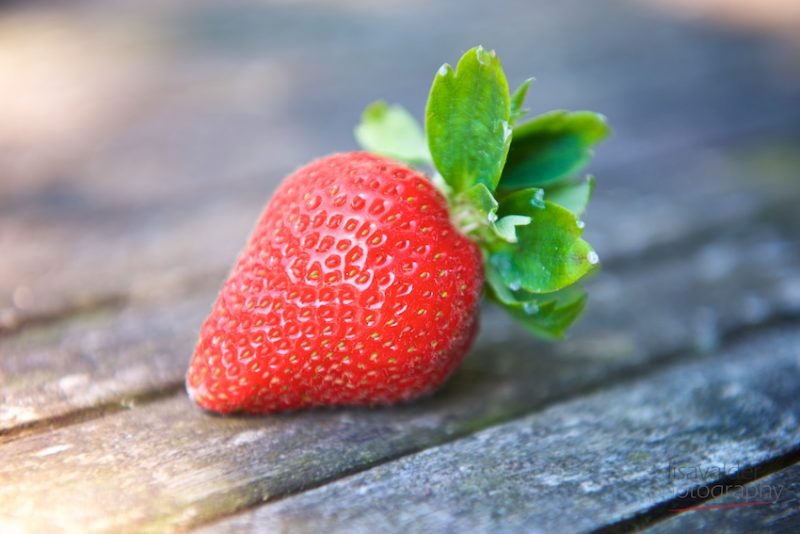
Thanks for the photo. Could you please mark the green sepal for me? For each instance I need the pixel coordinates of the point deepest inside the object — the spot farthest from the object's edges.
(549, 254)
(552, 318)
(551, 147)
(511, 190)
(474, 211)
(547, 315)
(393, 132)
(572, 194)
(518, 100)
(467, 121)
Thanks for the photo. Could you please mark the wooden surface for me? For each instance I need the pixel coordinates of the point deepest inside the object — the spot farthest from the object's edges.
(581, 465)
(119, 219)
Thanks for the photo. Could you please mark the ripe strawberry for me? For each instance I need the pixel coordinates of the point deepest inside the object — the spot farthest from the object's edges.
(354, 288)
(361, 281)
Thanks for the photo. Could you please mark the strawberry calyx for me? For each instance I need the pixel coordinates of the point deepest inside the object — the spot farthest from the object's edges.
(514, 189)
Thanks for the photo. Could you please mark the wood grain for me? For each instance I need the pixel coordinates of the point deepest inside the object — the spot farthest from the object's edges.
(113, 357)
(745, 275)
(94, 360)
(198, 466)
(578, 466)
(115, 238)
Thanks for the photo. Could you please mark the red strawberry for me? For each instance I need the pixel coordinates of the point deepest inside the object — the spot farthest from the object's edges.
(355, 288)
(361, 281)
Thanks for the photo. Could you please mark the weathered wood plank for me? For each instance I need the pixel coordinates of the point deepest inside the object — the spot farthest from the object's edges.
(107, 357)
(81, 264)
(140, 246)
(662, 212)
(578, 466)
(770, 504)
(746, 275)
(111, 472)
(209, 75)
(129, 216)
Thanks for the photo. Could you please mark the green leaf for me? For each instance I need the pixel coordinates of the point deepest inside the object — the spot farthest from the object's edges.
(573, 195)
(467, 121)
(391, 131)
(548, 315)
(518, 100)
(500, 290)
(550, 253)
(551, 147)
(551, 319)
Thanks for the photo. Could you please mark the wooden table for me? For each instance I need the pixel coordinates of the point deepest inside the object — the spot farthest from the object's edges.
(150, 138)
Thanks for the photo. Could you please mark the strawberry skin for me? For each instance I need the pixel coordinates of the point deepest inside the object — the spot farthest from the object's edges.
(354, 289)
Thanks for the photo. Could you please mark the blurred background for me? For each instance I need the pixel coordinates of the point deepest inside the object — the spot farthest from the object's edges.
(139, 140)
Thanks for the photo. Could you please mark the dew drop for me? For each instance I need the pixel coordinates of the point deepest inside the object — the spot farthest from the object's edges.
(593, 258)
(481, 54)
(580, 224)
(506, 131)
(538, 199)
(514, 285)
(530, 308)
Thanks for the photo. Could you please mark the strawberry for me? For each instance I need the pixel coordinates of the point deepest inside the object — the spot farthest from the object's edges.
(361, 281)
(355, 287)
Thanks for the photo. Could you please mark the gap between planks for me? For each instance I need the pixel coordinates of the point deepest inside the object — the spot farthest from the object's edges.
(662, 363)
(552, 401)
(81, 415)
(762, 504)
(682, 504)
(717, 436)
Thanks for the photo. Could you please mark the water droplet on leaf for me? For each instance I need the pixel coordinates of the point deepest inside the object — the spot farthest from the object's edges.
(537, 201)
(506, 131)
(530, 308)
